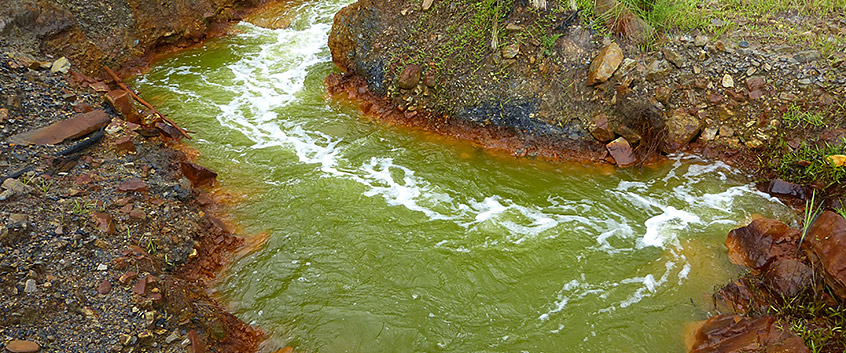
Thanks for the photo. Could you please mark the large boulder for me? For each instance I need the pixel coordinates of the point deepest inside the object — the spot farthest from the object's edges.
(827, 237)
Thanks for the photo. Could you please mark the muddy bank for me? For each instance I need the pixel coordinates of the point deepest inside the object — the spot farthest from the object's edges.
(115, 33)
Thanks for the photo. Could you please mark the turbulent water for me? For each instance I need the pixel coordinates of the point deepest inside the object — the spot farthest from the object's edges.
(388, 240)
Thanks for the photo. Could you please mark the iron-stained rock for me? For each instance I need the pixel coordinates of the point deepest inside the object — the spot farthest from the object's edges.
(604, 64)
(79, 125)
(622, 152)
(827, 236)
(681, 129)
(759, 243)
(409, 76)
(197, 174)
(600, 130)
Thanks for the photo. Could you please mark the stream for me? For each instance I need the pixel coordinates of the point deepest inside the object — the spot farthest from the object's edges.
(384, 239)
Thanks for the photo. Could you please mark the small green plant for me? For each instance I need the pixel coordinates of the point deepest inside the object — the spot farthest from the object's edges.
(548, 43)
(795, 118)
(44, 185)
(812, 210)
(80, 207)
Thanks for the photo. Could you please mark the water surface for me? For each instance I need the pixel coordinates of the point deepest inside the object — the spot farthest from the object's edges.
(389, 240)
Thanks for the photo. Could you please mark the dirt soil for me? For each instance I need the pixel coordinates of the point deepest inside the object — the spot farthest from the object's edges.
(111, 248)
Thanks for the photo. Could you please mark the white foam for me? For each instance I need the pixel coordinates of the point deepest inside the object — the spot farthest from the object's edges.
(658, 227)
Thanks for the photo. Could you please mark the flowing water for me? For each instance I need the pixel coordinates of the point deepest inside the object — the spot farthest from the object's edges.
(389, 240)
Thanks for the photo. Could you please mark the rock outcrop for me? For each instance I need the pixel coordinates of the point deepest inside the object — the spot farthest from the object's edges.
(111, 32)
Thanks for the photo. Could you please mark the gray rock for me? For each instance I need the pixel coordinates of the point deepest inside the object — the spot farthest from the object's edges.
(674, 57)
(657, 69)
(16, 186)
(174, 336)
(30, 286)
(700, 41)
(510, 51)
(807, 56)
(102, 267)
(61, 65)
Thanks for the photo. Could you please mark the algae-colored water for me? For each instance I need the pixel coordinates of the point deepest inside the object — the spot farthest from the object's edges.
(389, 240)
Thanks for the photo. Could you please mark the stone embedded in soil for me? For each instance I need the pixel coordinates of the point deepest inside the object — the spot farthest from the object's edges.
(61, 65)
(510, 51)
(681, 129)
(197, 174)
(427, 4)
(409, 76)
(19, 346)
(787, 277)
(133, 184)
(30, 286)
(103, 222)
(622, 152)
(759, 243)
(674, 57)
(197, 345)
(104, 287)
(125, 144)
(600, 130)
(127, 277)
(732, 333)
(79, 125)
(827, 237)
(700, 40)
(604, 64)
(780, 187)
(121, 101)
(140, 287)
(728, 81)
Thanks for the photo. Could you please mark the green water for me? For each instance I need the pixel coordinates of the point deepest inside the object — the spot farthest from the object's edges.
(388, 240)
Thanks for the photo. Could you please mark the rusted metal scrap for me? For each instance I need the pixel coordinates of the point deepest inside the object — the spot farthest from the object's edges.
(142, 101)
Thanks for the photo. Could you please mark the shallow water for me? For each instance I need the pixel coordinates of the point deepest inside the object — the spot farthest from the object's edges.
(387, 240)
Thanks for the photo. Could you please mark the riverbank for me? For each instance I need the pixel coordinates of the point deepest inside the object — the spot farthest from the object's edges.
(605, 83)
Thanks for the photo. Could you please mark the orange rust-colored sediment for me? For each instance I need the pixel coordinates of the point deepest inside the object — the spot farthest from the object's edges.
(496, 140)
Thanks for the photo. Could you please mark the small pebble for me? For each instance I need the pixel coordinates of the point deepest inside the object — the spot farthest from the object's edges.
(30, 287)
(102, 267)
(743, 44)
